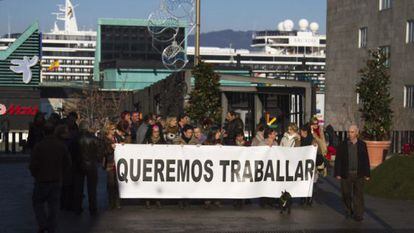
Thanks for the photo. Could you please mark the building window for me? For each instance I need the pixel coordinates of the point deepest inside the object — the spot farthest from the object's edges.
(384, 4)
(409, 96)
(363, 32)
(410, 31)
(387, 51)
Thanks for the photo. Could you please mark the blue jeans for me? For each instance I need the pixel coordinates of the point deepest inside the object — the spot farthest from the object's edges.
(46, 195)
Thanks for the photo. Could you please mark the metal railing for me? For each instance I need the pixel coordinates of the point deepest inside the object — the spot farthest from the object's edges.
(13, 141)
(398, 139)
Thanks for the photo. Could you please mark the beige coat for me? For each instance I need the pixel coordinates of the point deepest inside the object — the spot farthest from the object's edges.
(180, 141)
(320, 141)
(290, 140)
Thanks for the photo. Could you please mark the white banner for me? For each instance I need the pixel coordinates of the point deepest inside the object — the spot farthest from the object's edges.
(174, 171)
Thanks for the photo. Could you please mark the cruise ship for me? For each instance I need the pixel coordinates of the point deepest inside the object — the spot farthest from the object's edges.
(68, 54)
(284, 53)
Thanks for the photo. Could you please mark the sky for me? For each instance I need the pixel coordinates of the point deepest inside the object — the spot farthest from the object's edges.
(239, 15)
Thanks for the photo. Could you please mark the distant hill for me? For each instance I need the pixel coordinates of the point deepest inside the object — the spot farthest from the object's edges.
(223, 39)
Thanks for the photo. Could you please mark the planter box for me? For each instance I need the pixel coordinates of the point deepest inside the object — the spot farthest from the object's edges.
(376, 151)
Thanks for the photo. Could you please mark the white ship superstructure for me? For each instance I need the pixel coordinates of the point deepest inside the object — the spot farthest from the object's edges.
(67, 54)
(283, 54)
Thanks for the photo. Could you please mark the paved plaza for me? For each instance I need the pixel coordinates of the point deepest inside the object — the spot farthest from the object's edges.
(326, 215)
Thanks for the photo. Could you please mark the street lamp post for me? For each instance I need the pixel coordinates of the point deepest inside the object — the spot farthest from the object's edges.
(197, 36)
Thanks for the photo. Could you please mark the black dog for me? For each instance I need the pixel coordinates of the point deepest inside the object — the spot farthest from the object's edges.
(285, 201)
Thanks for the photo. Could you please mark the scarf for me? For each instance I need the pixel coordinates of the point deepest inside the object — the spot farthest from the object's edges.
(239, 143)
(155, 140)
(187, 140)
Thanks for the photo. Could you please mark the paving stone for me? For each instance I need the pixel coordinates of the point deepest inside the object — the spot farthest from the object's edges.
(326, 214)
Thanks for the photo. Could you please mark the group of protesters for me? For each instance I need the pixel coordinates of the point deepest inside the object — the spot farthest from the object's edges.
(63, 154)
(66, 152)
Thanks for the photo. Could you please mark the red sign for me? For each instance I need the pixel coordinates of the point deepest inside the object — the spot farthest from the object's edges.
(18, 110)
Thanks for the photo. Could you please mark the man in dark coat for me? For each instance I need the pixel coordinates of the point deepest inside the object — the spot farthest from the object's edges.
(182, 120)
(352, 168)
(36, 130)
(50, 157)
(85, 166)
(134, 126)
(234, 125)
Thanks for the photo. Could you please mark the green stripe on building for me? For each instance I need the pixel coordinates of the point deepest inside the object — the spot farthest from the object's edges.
(27, 45)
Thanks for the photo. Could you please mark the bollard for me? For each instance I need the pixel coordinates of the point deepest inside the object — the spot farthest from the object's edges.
(14, 142)
(21, 145)
(6, 142)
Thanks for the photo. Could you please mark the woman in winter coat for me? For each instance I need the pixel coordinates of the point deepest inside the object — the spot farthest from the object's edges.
(259, 137)
(198, 134)
(318, 136)
(270, 136)
(171, 130)
(291, 138)
(306, 139)
(239, 140)
(214, 137)
(319, 139)
(154, 138)
(108, 147)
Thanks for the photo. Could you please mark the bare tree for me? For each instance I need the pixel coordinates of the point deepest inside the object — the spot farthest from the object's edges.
(98, 106)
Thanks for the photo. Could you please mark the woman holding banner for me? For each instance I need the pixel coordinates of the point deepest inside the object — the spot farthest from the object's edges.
(306, 139)
(214, 137)
(198, 134)
(171, 130)
(109, 165)
(240, 141)
(318, 136)
(291, 138)
(186, 138)
(259, 137)
(270, 136)
(154, 137)
(122, 134)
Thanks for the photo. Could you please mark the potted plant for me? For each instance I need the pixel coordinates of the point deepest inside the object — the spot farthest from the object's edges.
(374, 94)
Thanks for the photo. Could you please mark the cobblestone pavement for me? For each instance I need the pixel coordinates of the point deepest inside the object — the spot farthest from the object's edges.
(326, 215)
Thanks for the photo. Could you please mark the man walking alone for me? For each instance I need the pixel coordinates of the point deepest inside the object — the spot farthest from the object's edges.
(352, 168)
